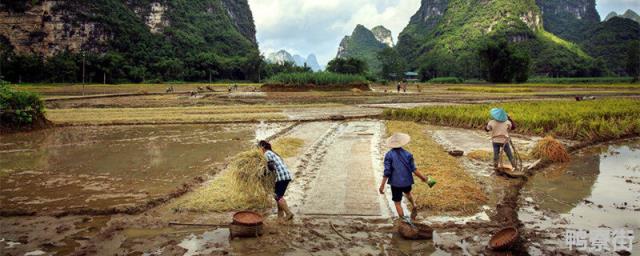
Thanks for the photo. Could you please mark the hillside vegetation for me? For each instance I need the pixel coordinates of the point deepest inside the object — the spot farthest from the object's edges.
(202, 39)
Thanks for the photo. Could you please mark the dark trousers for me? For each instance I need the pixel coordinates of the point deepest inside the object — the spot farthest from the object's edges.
(496, 151)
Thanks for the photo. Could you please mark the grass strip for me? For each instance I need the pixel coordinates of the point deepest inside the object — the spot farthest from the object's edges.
(457, 192)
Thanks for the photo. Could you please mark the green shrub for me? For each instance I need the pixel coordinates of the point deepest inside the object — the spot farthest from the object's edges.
(446, 80)
(318, 78)
(19, 107)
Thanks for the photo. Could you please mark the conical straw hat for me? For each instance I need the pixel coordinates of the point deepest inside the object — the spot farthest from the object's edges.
(398, 140)
(499, 114)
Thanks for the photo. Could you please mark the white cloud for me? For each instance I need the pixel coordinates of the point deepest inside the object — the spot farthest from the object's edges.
(313, 26)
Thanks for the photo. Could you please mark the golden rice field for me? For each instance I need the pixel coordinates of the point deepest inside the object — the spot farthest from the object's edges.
(585, 120)
(457, 191)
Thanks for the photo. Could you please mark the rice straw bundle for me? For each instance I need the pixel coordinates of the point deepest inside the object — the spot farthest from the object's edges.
(480, 155)
(550, 149)
(242, 186)
(250, 177)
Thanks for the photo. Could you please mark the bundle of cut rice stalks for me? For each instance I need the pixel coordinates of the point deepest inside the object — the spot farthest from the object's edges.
(250, 176)
(550, 149)
(244, 185)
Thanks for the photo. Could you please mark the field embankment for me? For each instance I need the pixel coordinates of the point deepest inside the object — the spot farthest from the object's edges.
(586, 120)
(321, 81)
(457, 191)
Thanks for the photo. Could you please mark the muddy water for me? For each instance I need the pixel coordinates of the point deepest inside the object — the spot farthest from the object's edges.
(600, 188)
(98, 167)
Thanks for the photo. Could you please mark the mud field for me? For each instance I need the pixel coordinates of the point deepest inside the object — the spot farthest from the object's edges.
(109, 189)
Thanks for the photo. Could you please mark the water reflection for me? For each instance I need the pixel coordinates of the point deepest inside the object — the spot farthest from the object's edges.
(601, 186)
(106, 166)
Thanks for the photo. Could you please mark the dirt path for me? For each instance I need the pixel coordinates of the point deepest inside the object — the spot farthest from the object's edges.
(345, 181)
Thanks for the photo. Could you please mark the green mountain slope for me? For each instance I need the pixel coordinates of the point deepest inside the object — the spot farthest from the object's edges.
(363, 45)
(138, 39)
(610, 42)
(447, 44)
(568, 19)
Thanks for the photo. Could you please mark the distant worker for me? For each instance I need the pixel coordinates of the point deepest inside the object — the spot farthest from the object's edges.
(499, 127)
(283, 177)
(399, 86)
(399, 167)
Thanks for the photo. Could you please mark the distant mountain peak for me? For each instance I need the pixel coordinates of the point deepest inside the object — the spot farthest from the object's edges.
(282, 56)
(383, 35)
(364, 44)
(629, 14)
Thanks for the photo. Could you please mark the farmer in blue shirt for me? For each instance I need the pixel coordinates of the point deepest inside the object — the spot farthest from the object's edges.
(283, 177)
(399, 168)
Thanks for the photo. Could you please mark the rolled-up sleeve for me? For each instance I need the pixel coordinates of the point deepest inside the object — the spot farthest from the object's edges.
(387, 165)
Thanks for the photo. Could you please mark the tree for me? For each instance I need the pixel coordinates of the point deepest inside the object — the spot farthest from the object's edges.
(503, 63)
(347, 66)
(393, 66)
(633, 61)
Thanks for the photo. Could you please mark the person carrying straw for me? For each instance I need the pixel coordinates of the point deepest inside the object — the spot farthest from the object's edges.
(283, 177)
(399, 167)
(499, 128)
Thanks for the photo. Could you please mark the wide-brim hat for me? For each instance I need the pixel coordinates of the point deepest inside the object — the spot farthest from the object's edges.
(499, 115)
(398, 140)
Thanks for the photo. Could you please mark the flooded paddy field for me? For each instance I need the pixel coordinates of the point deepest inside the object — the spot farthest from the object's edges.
(329, 207)
(598, 190)
(90, 189)
(98, 168)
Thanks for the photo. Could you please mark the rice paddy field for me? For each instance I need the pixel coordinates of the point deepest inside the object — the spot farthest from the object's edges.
(132, 169)
(585, 120)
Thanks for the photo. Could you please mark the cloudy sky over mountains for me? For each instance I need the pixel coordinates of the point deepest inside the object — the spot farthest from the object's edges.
(313, 26)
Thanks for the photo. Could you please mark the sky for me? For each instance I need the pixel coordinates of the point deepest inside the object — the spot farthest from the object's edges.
(317, 26)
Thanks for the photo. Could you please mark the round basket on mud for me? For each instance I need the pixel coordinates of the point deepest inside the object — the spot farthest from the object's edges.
(456, 153)
(504, 239)
(419, 232)
(246, 224)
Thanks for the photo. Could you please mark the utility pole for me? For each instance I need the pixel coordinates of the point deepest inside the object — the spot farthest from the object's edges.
(83, 71)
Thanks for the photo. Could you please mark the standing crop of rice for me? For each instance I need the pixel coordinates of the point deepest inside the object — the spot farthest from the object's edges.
(585, 120)
(456, 192)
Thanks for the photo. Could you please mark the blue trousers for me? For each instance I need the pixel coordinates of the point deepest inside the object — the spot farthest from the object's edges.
(496, 151)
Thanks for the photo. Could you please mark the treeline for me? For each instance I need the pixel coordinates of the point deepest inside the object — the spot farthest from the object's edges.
(113, 67)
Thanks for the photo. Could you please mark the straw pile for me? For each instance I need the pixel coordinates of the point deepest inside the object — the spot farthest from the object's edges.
(288, 147)
(550, 149)
(481, 155)
(242, 186)
(457, 192)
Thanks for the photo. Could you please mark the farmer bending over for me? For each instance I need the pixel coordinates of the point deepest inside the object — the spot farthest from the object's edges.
(399, 168)
(283, 177)
(499, 127)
